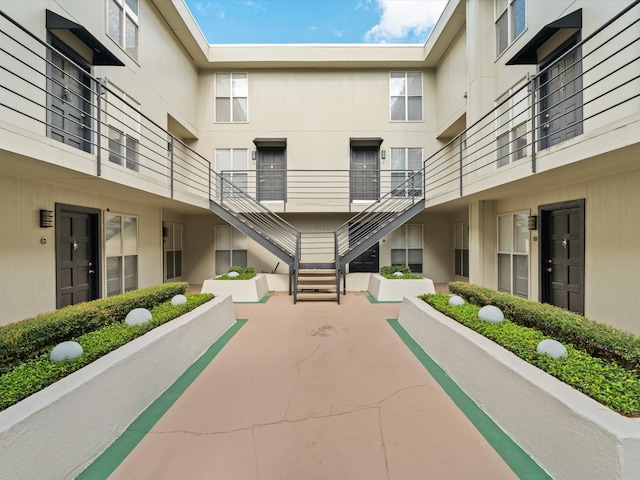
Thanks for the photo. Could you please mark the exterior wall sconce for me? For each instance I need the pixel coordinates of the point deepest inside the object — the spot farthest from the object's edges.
(533, 222)
(383, 154)
(254, 154)
(46, 219)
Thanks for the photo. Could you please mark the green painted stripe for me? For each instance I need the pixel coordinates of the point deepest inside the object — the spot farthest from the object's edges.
(374, 301)
(513, 455)
(262, 300)
(105, 464)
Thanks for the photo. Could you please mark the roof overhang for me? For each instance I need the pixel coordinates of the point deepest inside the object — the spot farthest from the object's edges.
(365, 141)
(101, 55)
(528, 55)
(270, 142)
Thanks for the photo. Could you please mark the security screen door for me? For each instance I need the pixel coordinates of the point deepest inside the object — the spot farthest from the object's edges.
(365, 173)
(69, 104)
(271, 174)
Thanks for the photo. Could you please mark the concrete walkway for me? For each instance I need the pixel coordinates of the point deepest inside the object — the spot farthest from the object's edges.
(314, 391)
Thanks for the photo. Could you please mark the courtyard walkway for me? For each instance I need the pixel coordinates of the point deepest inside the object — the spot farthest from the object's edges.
(313, 391)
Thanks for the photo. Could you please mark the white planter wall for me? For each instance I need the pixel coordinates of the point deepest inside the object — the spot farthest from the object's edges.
(385, 290)
(567, 433)
(59, 431)
(251, 290)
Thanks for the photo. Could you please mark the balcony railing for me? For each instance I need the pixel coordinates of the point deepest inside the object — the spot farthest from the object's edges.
(326, 190)
(592, 87)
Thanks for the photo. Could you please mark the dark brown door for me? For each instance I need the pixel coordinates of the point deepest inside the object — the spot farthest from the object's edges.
(76, 255)
(270, 174)
(561, 100)
(368, 261)
(365, 173)
(562, 255)
(69, 104)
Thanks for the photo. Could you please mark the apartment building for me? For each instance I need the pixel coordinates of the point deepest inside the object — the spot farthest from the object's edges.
(504, 151)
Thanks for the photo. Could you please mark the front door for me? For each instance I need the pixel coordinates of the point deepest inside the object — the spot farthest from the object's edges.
(365, 173)
(77, 234)
(562, 255)
(69, 104)
(271, 174)
(561, 101)
(368, 261)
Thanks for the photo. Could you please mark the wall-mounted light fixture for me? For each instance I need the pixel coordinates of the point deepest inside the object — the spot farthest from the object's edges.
(383, 154)
(254, 154)
(46, 219)
(533, 222)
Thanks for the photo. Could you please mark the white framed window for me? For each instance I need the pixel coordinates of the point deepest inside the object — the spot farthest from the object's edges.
(232, 97)
(231, 247)
(510, 21)
(461, 248)
(405, 96)
(406, 163)
(512, 114)
(232, 165)
(123, 119)
(406, 246)
(513, 254)
(121, 252)
(173, 250)
(122, 24)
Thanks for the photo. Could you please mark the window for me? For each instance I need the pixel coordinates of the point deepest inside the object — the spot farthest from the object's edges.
(461, 248)
(173, 250)
(406, 165)
(406, 247)
(232, 165)
(512, 113)
(121, 251)
(231, 248)
(405, 91)
(232, 97)
(123, 117)
(122, 24)
(513, 254)
(510, 22)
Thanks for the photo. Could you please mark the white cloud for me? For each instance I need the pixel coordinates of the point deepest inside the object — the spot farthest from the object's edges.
(400, 19)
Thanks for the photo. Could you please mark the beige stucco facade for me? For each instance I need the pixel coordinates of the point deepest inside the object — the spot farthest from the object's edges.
(320, 102)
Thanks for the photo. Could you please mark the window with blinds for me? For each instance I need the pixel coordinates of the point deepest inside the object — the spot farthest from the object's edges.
(513, 254)
(121, 252)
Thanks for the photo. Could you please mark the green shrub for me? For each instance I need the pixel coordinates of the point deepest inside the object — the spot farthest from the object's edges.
(243, 273)
(389, 270)
(606, 382)
(597, 339)
(38, 372)
(33, 336)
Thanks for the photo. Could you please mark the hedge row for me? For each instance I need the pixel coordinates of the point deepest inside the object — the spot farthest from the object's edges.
(388, 272)
(606, 382)
(598, 339)
(38, 372)
(33, 336)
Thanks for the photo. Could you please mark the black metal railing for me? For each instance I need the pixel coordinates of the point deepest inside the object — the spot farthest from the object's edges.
(593, 86)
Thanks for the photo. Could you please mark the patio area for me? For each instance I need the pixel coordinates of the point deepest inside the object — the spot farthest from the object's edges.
(315, 390)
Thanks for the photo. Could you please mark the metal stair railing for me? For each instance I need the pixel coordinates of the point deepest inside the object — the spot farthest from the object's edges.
(255, 220)
(379, 219)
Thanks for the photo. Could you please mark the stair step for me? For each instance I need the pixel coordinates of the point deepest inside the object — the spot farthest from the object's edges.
(316, 278)
(317, 296)
(311, 286)
(316, 271)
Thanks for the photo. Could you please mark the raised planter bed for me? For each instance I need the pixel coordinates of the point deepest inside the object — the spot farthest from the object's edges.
(251, 290)
(386, 290)
(567, 433)
(59, 431)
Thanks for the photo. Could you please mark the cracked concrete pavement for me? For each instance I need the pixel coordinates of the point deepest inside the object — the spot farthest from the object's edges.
(314, 391)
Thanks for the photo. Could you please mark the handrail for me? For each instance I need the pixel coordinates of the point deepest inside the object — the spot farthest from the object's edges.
(512, 133)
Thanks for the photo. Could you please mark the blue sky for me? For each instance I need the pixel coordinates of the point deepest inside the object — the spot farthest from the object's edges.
(315, 21)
